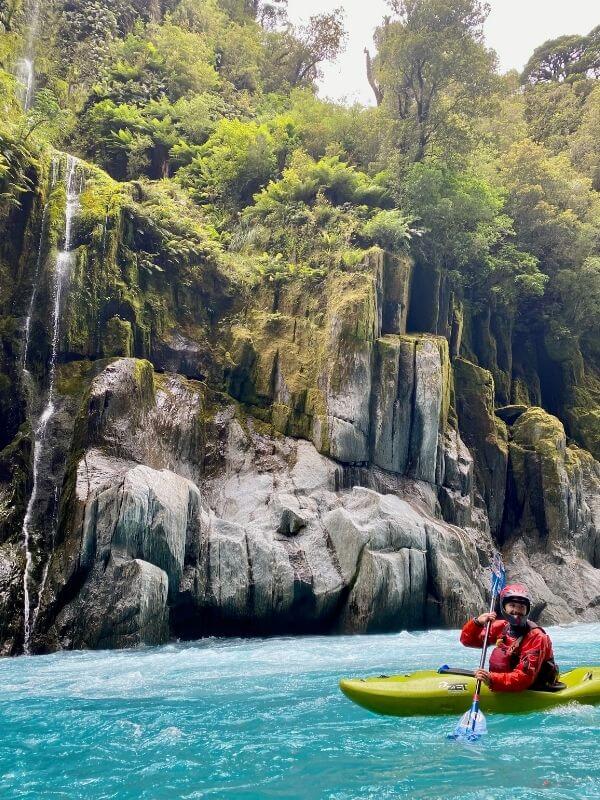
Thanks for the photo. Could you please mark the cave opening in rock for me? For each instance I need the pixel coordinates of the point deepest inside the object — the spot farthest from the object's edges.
(423, 304)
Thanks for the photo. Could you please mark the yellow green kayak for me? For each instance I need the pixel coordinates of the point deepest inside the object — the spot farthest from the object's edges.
(426, 693)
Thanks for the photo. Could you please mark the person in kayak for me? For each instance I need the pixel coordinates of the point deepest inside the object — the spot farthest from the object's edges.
(523, 656)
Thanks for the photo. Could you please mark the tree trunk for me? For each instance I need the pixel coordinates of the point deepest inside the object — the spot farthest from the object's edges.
(377, 90)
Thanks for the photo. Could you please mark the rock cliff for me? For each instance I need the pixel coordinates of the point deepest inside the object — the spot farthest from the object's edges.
(234, 455)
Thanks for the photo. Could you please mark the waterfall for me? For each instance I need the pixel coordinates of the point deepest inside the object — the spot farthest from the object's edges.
(64, 259)
(25, 81)
(38, 264)
(25, 73)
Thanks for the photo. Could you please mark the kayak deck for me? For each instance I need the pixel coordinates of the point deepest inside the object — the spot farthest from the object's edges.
(428, 692)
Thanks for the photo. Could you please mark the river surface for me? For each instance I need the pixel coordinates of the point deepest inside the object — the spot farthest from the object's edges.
(263, 718)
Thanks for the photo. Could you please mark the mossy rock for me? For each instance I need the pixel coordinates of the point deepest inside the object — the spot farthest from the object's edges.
(483, 433)
(15, 482)
(538, 429)
(73, 378)
(118, 338)
(584, 424)
(542, 469)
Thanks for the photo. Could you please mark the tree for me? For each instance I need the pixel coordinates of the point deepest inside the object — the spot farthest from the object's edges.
(48, 118)
(433, 70)
(467, 233)
(325, 128)
(592, 54)
(87, 27)
(556, 212)
(297, 52)
(187, 60)
(585, 142)
(553, 111)
(170, 62)
(207, 17)
(265, 12)
(318, 209)
(129, 141)
(240, 57)
(578, 294)
(565, 58)
(555, 60)
(388, 229)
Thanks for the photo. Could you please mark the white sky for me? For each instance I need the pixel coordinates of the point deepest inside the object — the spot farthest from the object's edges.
(514, 29)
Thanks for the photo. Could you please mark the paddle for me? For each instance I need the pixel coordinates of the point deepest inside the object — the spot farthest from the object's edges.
(472, 724)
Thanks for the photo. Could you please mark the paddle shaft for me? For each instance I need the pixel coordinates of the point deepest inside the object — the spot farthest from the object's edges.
(486, 638)
(473, 717)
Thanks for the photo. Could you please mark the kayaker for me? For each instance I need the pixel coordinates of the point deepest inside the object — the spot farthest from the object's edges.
(523, 656)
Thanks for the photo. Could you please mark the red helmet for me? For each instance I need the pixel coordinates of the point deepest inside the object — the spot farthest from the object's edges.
(515, 591)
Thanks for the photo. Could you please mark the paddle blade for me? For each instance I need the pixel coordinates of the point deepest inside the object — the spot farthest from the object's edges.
(498, 575)
(471, 727)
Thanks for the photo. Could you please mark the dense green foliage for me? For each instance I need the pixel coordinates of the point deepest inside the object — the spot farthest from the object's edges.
(492, 182)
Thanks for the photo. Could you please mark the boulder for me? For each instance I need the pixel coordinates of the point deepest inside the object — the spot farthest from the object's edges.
(124, 605)
(389, 587)
(144, 515)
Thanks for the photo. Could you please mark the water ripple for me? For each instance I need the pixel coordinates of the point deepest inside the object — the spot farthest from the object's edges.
(263, 718)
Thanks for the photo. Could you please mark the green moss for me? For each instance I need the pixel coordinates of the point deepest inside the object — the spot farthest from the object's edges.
(520, 393)
(542, 467)
(585, 425)
(73, 378)
(538, 429)
(118, 338)
(352, 304)
(143, 372)
(475, 381)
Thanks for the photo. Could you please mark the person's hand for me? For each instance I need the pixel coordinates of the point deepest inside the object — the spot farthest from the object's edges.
(489, 616)
(484, 676)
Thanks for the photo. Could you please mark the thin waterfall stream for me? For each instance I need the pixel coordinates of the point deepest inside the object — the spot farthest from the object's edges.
(25, 72)
(38, 263)
(73, 185)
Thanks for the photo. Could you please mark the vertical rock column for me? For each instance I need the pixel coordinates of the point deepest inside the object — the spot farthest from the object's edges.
(410, 404)
(485, 435)
(354, 324)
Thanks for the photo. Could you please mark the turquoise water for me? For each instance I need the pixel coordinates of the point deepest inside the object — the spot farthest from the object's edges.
(264, 719)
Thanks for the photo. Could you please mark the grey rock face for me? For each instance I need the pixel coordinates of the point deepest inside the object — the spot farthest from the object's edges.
(484, 435)
(358, 563)
(177, 353)
(122, 606)
(397, 274)
(143, 515)
(431, 379)
(280, 538)
(131, 527)
(389, 587)
(410, 404)
(392, 403)
(273, 542)
(348, 393)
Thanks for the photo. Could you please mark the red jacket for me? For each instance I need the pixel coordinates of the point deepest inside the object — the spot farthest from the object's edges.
(527, 661)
